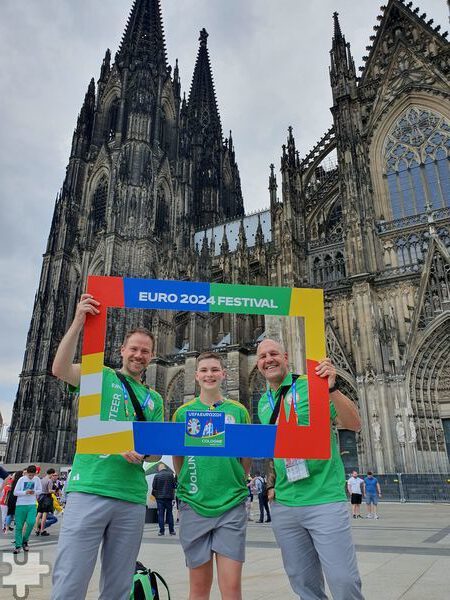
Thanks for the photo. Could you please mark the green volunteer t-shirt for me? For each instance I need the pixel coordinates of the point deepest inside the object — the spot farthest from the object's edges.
(110, 474)
(211, 485)
(326, 481)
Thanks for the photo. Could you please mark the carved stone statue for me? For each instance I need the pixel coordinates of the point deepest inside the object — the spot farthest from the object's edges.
(400, 430)
(412, 430)
(376, 428)
(369, 375)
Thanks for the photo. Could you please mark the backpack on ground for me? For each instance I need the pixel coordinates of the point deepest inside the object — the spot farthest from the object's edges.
(145, 584)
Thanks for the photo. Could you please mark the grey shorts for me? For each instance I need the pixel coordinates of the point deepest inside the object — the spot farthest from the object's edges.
(201, 536)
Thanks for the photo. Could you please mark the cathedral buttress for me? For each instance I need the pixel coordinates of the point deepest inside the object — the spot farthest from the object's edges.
(288, 218)
(361, 245)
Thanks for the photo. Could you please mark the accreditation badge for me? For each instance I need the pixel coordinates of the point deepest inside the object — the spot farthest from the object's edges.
(296, 469)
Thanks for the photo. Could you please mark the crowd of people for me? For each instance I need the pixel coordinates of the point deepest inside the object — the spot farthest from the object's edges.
(304, 500)
(29, 502)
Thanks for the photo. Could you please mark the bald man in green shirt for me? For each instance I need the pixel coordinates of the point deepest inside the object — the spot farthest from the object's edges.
(308, 501)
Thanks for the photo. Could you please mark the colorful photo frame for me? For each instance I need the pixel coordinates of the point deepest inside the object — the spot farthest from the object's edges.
(284, 440)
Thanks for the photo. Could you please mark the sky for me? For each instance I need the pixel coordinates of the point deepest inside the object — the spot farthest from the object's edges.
(270, 65)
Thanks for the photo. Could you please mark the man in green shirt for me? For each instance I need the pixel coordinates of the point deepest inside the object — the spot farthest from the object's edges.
(309, 513)
(107, 494)
(212, 493)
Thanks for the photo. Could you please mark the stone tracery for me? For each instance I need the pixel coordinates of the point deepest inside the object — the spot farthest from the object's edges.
(416, 165)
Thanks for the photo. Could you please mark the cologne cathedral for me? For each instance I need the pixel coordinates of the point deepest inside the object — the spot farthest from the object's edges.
(152, 190)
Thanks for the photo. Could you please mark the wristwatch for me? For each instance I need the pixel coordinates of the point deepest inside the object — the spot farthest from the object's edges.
(335, 388)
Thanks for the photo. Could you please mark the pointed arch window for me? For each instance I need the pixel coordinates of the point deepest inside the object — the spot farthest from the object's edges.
(328, 268)
(317, 270)
(417, 162)
(258, 386)
(444, 236)
(161, 213)
(99, 204)
(411, 250)
(163, 134)
(113, 119)
(340, 265)
(334, 223)
(181, 332)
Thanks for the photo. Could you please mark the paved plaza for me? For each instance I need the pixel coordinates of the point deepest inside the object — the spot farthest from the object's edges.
(404, 555)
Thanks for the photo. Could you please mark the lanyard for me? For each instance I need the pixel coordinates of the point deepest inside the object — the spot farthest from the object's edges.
(126, 398)
(272, 401)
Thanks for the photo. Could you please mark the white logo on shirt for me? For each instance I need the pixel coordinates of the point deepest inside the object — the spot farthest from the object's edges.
(192, 467)
(230, 419)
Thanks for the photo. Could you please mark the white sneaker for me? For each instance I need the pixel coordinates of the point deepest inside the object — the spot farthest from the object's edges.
(369, 516)
(376, 517)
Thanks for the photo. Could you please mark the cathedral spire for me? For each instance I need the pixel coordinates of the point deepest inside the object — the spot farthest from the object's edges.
(202, 105)
(224, 246)
(342, 70)
(259, 235)
(291, 148)
(242, 238)
(106, 66)
(83, 131)
(337, 27)
(87, 110)
(143, 39)
(230, 143)
(273, 185)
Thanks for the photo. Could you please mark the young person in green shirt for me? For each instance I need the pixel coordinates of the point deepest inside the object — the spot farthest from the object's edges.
(309, 513)
(107, 494)
(212, 492)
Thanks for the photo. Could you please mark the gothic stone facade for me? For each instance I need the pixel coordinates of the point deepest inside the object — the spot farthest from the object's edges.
(152, 190)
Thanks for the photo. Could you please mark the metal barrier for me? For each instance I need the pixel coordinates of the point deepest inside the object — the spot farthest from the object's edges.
(426, 488)
(414, 487)
(390, 486)
(400, 487)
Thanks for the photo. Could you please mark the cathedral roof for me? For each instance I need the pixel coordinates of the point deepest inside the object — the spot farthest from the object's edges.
(202, 102)
(391, 15)
(250, 224)
(144, 34)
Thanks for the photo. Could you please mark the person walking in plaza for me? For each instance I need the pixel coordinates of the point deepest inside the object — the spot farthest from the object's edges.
(12, 501)
(309, 514)
(212, 493)
(107, 493)
(372, 491)
(3, 477)
(261, 490)
(163, 490)
(251, 492)
(355, 487)
(6, 489)
(27, 489)
(45, 501)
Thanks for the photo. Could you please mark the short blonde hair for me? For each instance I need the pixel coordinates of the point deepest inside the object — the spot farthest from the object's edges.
(208, 355)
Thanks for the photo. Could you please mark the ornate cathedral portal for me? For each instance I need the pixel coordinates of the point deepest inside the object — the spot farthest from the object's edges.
(153, 190)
